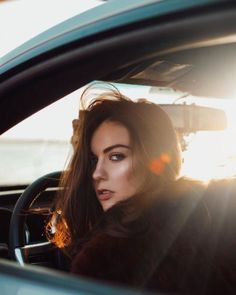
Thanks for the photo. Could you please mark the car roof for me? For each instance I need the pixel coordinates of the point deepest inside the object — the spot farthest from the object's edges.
(110, 43)
(112, 14)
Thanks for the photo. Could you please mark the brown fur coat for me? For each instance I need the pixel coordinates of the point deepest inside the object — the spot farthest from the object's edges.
(185, 243)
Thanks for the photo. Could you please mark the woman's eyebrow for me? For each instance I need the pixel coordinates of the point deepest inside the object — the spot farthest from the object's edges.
(106, 150)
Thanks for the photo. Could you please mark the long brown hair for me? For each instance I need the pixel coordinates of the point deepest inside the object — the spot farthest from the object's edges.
(153, 139)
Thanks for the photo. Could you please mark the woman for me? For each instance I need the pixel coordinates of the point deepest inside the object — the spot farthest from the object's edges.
(123, 216)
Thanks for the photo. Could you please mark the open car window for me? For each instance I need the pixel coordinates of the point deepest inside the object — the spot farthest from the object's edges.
(42, 143)
(39, 144)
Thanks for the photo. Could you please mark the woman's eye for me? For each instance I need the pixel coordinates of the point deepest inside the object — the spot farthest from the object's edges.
(117, 157)
(94, 161)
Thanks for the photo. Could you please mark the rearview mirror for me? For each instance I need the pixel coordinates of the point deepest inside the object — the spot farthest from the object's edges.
(193, 118)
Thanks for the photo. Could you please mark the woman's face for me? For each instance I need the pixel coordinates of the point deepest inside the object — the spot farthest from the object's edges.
(114, 177)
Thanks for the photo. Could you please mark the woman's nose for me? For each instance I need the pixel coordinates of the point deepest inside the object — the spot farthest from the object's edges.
(99, 171)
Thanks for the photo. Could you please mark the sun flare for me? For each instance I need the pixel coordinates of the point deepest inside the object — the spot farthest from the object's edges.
(212, 154)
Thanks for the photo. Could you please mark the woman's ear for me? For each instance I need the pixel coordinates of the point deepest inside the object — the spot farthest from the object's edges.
(74, 137)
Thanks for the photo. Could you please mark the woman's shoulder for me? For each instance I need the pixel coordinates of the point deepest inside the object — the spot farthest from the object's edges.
(180, 200)
(191, 213)
(215, 196)
(201, 216)
(184, 188)
(188, 236)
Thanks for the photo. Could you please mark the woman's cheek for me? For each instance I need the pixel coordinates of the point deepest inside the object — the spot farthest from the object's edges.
(124, 171)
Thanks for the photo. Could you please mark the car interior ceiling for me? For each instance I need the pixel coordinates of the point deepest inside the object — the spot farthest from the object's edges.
(204, 72)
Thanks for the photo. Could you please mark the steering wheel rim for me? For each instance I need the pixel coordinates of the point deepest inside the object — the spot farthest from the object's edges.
(18, 250)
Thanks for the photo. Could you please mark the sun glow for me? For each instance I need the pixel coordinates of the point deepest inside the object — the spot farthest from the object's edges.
(212, 154)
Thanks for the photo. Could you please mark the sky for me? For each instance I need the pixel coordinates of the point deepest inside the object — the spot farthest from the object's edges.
(21, 20)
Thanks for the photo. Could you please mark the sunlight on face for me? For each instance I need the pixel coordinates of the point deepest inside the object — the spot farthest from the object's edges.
(114, 178)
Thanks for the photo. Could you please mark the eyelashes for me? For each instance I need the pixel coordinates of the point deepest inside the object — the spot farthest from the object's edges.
(93, 161)
(116, 157)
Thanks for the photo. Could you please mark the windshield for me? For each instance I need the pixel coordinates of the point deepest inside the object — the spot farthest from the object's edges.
(42, 143)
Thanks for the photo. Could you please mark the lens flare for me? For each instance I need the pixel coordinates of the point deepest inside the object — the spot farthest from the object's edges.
(157, 165)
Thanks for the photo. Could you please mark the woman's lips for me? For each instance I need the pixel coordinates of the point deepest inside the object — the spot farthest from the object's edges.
(104, 195)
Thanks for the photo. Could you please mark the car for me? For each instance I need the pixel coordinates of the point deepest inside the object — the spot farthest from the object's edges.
(180, 54)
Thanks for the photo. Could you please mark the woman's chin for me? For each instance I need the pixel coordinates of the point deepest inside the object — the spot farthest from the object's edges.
(107, 204)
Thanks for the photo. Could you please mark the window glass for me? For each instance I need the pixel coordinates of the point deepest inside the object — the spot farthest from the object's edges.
(41, 143)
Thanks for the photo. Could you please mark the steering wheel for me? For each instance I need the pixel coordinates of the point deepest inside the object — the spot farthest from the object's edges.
(18, 249)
